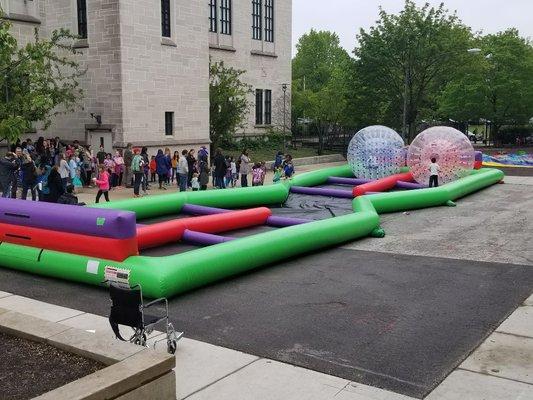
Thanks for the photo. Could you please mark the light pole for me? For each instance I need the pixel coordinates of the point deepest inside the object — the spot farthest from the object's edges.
(284, 88)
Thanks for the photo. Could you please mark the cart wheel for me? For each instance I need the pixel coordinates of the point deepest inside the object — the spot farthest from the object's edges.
(140, 341)
(171, 346)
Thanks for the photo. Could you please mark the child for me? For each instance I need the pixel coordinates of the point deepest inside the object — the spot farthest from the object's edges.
(288, 168)
(277, 174)
(228, 178)
(103, 183)
(234, 173)
(434, 173)
(69, 197)
(195, 184)
(263, 168)
(153, 168)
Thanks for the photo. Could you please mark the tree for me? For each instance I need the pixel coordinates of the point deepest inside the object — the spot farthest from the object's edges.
(497, 85)
(404, 61)
(320, 82)
(39, 81)
(229, 105)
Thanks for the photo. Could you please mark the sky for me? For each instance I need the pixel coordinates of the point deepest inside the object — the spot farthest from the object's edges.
(346, 17)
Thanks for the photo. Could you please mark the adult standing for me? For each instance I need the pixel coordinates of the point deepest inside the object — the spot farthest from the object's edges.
(19, 159)
(220, 169)
(119, 167)
(137, 168)
(183, 171)
(54, 185)
(245, 167)
(101, 155)
(128, 158)
(203, 167)
(191, 162)
(146, 168)
(29, 178)
(168, 156)
(162, 168)
(63, 169)
(7, 169)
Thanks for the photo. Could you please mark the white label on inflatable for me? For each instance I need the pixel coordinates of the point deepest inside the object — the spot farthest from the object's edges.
(118, 276)
(92, 267)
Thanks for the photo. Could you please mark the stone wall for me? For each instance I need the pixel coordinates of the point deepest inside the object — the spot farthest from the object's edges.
(267, 65)
(160, 74)
(100, 56)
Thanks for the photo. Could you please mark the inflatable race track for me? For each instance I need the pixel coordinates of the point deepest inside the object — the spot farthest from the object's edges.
(83, 244)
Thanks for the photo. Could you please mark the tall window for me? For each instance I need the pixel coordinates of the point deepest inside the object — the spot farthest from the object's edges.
(82, 19)
(269, 20)
(169, 123)
(212, 15)
(257, 17)
(225, 17)
(165, 18)
(258, 106)
(268, 107)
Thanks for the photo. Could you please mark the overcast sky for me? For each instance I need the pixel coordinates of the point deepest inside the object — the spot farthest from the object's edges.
(346, 17)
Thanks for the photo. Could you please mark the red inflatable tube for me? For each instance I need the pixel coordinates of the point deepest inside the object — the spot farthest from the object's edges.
(75, 243)
(478, 164)
(383, 184)
(172, 231)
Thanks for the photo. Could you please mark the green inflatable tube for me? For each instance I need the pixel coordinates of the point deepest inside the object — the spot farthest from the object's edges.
(148, 207)
(171, 275)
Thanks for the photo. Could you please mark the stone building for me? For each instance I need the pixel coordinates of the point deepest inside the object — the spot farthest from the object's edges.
(147, 63)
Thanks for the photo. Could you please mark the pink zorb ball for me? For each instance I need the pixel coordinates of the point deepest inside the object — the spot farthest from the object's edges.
(452, 149)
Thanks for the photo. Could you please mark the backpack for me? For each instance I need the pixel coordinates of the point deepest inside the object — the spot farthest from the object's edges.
(137, 163)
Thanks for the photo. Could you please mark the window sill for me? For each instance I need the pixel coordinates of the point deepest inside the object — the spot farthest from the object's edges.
(23, 18)
(168, 42)
(81, 44)
(222, 47)
(263, 126)
(263, 53)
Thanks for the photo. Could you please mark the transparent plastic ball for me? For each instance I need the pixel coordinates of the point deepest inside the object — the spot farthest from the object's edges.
(451, 148)
(376, 152)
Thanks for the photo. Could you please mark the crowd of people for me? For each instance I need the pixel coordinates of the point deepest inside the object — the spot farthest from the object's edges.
(50, 170)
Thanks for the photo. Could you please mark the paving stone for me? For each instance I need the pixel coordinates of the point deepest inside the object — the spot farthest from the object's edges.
(39, 309)
(29, 327)
(529, 301)
(4, 294)
(266, 379)
(4, 310)
(519, 322)
(103, 348)
(466, 385)
(503, 355)
(357, 391)
(200, 364)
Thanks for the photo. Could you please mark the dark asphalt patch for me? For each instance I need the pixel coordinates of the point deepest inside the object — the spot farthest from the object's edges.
(398, 322)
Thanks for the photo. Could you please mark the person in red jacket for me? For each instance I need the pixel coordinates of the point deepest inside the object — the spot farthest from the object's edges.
(103, 183)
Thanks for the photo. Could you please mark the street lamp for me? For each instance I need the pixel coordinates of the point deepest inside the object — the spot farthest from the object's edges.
(284, 88)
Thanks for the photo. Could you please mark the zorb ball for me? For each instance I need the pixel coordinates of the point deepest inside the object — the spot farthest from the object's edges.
(452, 149)
(376, 152)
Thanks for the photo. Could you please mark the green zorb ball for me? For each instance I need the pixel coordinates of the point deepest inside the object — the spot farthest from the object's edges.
(376, 152)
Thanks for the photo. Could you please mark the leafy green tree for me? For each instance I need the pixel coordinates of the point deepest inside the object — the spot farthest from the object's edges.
(38, 81)
(320, 82)
(404, 61)
(497, 85)
(229, 104)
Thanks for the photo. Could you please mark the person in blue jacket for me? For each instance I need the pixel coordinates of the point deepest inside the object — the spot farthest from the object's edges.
(163, 166)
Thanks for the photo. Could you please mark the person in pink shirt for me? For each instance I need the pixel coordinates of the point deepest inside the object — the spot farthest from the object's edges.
(103, 183)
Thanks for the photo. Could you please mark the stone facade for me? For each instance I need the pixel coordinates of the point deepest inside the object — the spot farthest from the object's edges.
(134, 75)
(267, 64)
